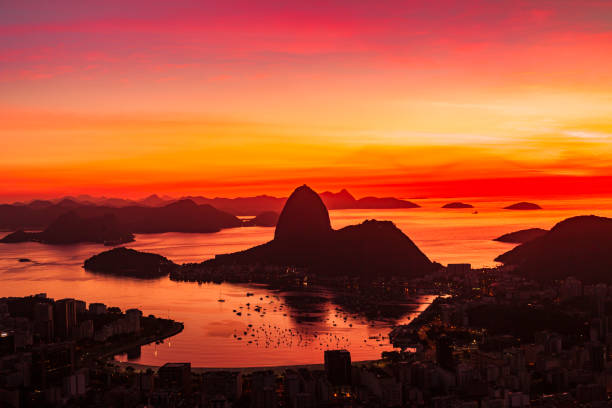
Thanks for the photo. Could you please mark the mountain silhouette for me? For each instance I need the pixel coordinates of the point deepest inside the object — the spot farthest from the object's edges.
(457, 204)
(70, 228)
(178, 216)
(338, 201)
(265, 219)
(372, 203)
(304, 238)
(523, 205)
(304, 219)
(521, 236)
(578, 246)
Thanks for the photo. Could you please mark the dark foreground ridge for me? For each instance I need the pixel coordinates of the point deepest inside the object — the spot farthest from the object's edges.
(71, 228)
(578, 246)
(129, 262)
(521, 236)
(523, 205)
(304, 238)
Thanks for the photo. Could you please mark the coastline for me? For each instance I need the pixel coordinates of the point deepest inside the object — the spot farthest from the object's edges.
(176, 328)
(244, 370)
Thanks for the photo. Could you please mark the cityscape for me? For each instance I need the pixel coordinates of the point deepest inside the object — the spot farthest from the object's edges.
(289, 204)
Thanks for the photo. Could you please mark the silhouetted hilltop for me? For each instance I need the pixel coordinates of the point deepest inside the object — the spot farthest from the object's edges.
(377, 247)
(37, 204)
(384, 203)
(179, 216)
(243, 205)
(340, 200)
(457, 204)
(265, 219)
(154, 201)
(128, 262)
(523, 205)
(578, 246)
(17, 237)
(304, 219)
(521, 236)
(304, 238)
(71, 228)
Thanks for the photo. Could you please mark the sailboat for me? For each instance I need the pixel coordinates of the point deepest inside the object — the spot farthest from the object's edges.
(220, 297)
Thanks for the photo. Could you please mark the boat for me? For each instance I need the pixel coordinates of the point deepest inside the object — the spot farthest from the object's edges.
(220, 297)
(25, 260)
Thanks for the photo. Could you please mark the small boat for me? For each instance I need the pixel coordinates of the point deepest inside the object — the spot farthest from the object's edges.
(250, 294)
(25, 260)
(220, 297)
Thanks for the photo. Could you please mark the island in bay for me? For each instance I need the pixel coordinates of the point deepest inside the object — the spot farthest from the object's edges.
(524, 206)
(129, 262)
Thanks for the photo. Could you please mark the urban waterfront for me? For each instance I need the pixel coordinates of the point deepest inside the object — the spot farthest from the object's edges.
(212, 328)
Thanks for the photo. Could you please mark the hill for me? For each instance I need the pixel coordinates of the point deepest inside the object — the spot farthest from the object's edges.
(521, 236)
(373, 203)
(70, 228)
(265, 219)
(457, 204)
(578, 246)
(523, 205)
(178, 216)
(304, 238)
(340, 200)
(129, 262)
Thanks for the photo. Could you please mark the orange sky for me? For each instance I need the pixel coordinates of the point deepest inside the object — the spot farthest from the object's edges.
(255, 97)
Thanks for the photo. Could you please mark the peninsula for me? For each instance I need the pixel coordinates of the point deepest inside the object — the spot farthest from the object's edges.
(578, 246)
(521, 236)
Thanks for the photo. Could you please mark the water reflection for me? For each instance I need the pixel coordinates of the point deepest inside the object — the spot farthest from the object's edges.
(287, 328)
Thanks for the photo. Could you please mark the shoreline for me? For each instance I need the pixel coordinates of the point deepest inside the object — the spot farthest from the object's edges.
(176, 328)
(244, 370)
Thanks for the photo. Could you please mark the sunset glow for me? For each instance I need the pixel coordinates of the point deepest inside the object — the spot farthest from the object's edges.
(250, 97)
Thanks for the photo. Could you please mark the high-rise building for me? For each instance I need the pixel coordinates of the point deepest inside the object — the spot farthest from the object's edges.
(338, 367)
(444, 353)
(64, 318)
(43, 321)
(175, 377)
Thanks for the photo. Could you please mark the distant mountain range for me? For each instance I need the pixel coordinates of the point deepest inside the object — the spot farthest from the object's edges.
(70, 228)
(578, 246)
(304, 238)
(69, 221)
(241, 206)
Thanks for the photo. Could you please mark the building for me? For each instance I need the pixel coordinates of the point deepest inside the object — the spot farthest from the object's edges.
(64, 318)
(175, 377)
(97, 308)
(444, 352)
(43, 322)
(338, 367)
